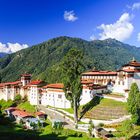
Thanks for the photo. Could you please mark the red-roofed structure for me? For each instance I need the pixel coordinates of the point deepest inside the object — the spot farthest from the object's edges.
(133, 63)
(36, 82)
(10, 83)
(100, 73)
(22, 114)
(56, 86)
(39, 113)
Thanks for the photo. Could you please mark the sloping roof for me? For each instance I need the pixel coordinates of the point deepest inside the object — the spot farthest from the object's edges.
(12, 109)
(33, 120)
(100, 73)
(57, 86)
(129, 70)
(26, 74)
(21, 113)
(87, 81)
(39, 113)
(133, 63)
(10, 83)
(36, 82)
(94, 86)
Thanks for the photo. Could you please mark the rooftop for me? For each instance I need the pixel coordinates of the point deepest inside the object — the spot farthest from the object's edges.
(36, 82)
(12, 108)
(57, 85)
(39, 113)
(133, 63)
(100, 73)
(33, 120)
(10, 83)
(26, 74)
(21, 113)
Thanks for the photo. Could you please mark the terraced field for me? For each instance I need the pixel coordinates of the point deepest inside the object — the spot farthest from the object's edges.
(107, 109)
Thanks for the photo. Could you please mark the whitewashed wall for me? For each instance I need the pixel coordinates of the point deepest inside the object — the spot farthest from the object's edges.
(52, 98)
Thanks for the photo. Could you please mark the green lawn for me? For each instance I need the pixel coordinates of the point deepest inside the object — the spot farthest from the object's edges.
(69, 110)
(66, 134)
(26, 106)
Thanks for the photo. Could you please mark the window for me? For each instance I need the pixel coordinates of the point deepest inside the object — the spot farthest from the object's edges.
(59, 96)
(118, 82)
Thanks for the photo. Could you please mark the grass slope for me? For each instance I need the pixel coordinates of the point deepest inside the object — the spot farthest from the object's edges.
(107, 109)
(101, 109)
(26, 106)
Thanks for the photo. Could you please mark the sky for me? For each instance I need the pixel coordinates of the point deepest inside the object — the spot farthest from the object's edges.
(24, 23)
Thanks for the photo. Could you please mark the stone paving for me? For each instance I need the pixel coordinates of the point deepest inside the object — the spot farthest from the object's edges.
(68, 123)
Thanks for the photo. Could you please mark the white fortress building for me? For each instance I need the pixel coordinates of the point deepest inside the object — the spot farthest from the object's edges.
(118, 82)
(93, 82)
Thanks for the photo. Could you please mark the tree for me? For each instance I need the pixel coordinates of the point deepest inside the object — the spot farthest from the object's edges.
(0, 112)
(134, 103)
(39, 124)
(72, 68)
(33, 125)
(18, 99)
(90, 128)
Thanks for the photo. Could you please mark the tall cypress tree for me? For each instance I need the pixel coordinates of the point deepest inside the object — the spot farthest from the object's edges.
(133, 103)
(72, 68)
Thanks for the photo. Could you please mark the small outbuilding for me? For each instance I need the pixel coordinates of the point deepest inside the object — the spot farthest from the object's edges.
(102, 133)
(9, 111)
(41, 116)
(21, 116)
(33, 123)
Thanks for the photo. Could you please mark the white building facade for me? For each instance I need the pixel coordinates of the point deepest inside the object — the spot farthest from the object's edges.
(53, 95)
(93, 82)
(118, 82)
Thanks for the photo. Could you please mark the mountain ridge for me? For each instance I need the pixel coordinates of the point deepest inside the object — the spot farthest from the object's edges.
(43, 60)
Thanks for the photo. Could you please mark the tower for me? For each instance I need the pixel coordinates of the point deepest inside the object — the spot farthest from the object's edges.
(25, 79)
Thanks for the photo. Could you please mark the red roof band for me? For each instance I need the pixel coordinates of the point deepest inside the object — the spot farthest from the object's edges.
(100, 73)
(10, 83)
(36, 82)
(21, 113)
(57, 85)
(39, 113)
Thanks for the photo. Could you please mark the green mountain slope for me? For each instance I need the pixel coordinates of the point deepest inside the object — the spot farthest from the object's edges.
(43, 60)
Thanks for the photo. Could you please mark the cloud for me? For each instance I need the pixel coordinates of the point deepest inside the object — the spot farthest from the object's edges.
(70, 16)
(135, 6)
(12, 47)
(120, 30)
(92, 37)
(138, 37)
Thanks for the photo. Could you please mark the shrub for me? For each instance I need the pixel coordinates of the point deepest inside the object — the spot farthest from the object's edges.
(5, 104)
(18, 99)
(101, 124)
(90, 129)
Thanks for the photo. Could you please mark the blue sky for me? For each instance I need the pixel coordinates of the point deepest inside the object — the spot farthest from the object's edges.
(28, 22)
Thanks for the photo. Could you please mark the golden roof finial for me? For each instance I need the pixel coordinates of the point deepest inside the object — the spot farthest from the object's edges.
(94, 69)
(133, 59)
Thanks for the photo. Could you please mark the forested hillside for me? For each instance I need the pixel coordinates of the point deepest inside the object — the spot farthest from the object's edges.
(43, 60)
